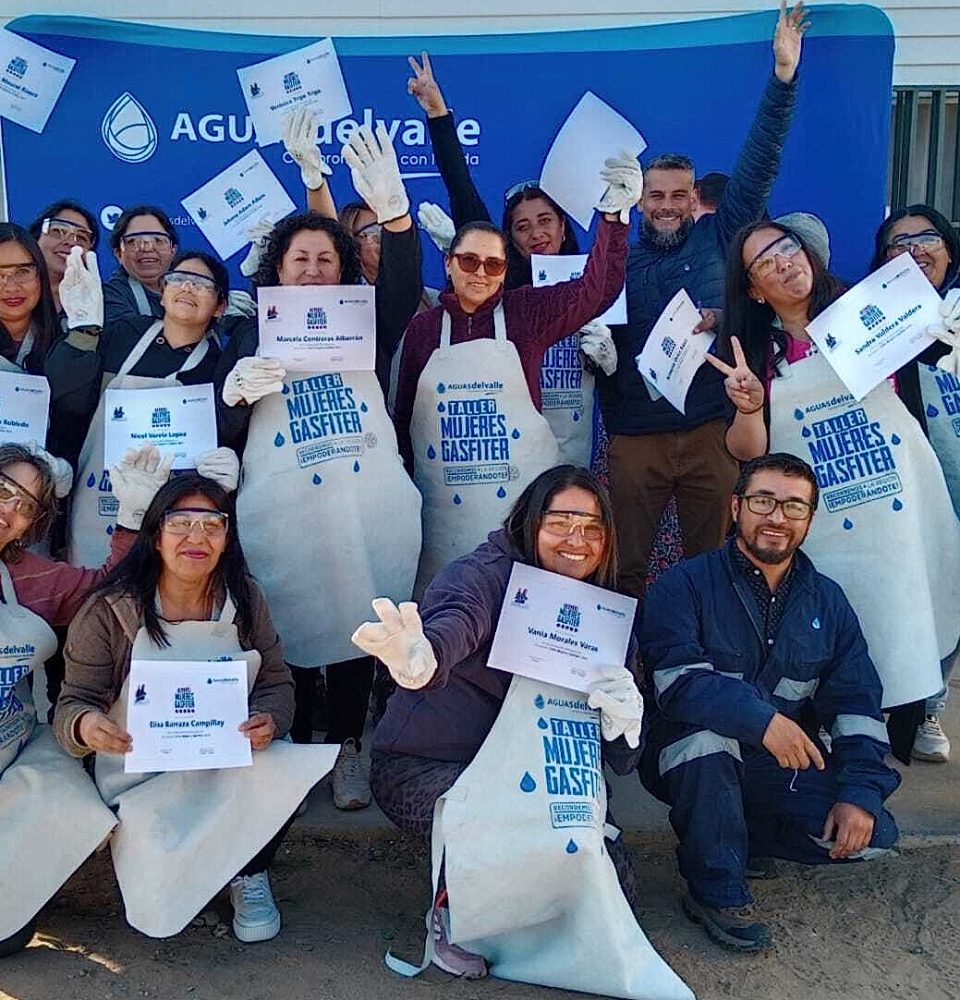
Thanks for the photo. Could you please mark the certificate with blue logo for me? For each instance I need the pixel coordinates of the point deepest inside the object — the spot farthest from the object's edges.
(560, 630)
(183, 715)
(319, 328)
(24, 405)
(31, 80)
(180, 420)
(551, 269)
(878, 325)
(309, 77)
(229, 205)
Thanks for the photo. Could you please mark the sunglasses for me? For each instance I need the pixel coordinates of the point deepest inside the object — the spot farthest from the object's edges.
(213, 523)
(470, 263)
(519, 188)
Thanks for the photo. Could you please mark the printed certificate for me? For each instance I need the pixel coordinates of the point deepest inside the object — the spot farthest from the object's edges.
(559, 630)
(31, 80)
(551, 269)
(182, 715)
(24, 407)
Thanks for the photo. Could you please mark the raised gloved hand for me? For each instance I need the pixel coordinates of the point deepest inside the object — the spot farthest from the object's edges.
(258, 240)
(596, 341)
(621, 705)
(624, 180)
(60, 468)
(221, 465)
(81, 293)
(300, 141)
(436, 224)
(948, 331)
(251, 379)
(376, 173)
(398, 641)
(136, 480)
(240, 304)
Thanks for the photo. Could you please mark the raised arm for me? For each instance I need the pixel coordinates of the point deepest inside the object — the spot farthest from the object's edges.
(747, 434)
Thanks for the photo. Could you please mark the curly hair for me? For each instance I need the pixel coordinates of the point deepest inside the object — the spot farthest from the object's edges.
(281, 236)
(11, 454)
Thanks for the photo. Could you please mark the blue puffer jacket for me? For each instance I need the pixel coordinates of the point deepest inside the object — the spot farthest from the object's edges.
(711, 667)
(654, 276)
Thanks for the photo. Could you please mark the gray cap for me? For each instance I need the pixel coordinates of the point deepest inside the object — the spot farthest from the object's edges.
(811, 230)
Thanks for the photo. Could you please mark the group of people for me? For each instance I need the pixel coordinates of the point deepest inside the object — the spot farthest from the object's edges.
(763, 686)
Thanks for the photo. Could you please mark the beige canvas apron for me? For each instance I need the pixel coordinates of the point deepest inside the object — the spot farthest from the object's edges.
(183, 835)
(885, 529)
(93, 509)
(567, 389)
(51, 817)
(477, 440)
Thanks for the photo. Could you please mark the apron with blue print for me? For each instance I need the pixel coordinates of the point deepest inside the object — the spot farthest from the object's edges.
(567, 389)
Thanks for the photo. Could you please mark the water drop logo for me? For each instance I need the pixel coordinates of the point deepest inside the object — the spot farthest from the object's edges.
(457, 499)
(895, 439)
(897, 505)
(316, 480)
(515, 434)
(128, 130)
(538, 701)
(278, 440)
(356, 466)
(91, 481)
(847, 524)
(542, 723)
(502, 493)
(527, 782)
(932, 411)
(441, 408)
(798, 414)
(571, 847)
(806, 432)
(431, 453)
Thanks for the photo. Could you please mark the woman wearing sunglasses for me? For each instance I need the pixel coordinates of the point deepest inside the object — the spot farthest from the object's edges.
(463, 755)
(133, 353)
(50, 815)
(183, 593)
(468, 394)
(319, 451)
(930, 387)
(886, 532)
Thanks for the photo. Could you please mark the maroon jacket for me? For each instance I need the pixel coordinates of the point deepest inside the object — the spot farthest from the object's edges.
(536, 319)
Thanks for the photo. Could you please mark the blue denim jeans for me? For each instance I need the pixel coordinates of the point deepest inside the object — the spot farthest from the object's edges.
(938, 703)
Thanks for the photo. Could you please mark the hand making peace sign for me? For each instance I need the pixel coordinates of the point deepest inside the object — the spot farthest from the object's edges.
(743, 387)
(425, 88)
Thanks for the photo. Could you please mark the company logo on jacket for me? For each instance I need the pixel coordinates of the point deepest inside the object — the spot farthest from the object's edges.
(128, 131)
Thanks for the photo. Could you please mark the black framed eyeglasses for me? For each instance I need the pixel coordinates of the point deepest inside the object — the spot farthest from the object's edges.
(763, 504)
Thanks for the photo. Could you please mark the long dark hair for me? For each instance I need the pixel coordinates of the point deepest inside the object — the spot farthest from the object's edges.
(138, 573)
(280, 238)
(46, 323)
(951, 239)
(518, 267)
(522, 524)
(53, 210)
(10, 454)
(753, 322)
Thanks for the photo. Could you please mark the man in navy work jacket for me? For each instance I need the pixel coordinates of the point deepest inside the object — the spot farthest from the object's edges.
(656, 451)
(746, 648)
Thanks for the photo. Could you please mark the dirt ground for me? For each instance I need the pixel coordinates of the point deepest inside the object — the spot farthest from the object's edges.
(888, 929)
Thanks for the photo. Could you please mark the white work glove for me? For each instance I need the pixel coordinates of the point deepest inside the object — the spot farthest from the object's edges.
(135, 482)
(251, 379)
(376, 173)
(300, 141)
(81, 293)
(947, 331)
(240, 304)
(221, 465)
(436, 224)
(60, 468)
(624, 180)
(621, 705)
(258, 240)
(398, 641)
(596, 341)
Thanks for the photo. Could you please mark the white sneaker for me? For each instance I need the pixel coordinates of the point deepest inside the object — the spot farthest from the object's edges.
(931, 742)
(255, 914)
(351, 782)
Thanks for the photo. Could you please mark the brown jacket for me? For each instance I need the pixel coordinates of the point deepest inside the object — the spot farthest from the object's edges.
(97, 656)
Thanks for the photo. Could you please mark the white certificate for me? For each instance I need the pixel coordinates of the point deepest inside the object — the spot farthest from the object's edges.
(559, 630)
(180, 420)
(308, 77)
(318, 328)
(182, 715)
(229, 206)
(571, 171)
(878, 325)
(24, 407)
(551, 269)
(673, 353)
(31, 80)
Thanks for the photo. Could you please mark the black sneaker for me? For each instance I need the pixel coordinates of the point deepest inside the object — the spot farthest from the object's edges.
(735, 927)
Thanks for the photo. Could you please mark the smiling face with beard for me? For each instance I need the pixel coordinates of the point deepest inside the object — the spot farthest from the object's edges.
(668, 203)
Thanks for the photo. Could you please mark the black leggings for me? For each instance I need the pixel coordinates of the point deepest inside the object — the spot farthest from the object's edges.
(260, 862)
(348, 698)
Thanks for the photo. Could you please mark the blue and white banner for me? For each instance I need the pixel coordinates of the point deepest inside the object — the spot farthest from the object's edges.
(151, 113)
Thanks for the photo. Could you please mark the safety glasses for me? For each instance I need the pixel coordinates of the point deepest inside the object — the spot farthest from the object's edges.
(17, 274)
(213, 523)
(929, 240)
(14, 497)
(470, 263)
(766, 260)
(67, 232)
(371, 232)
(147, 241)
(563, 523)
(190, 279)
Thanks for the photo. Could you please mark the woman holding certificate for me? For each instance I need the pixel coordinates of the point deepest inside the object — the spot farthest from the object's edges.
(882, 486)
(132, 353)
(930, 387)
(477, 758)
(183, 596)
(319, 452)
(51, 817)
